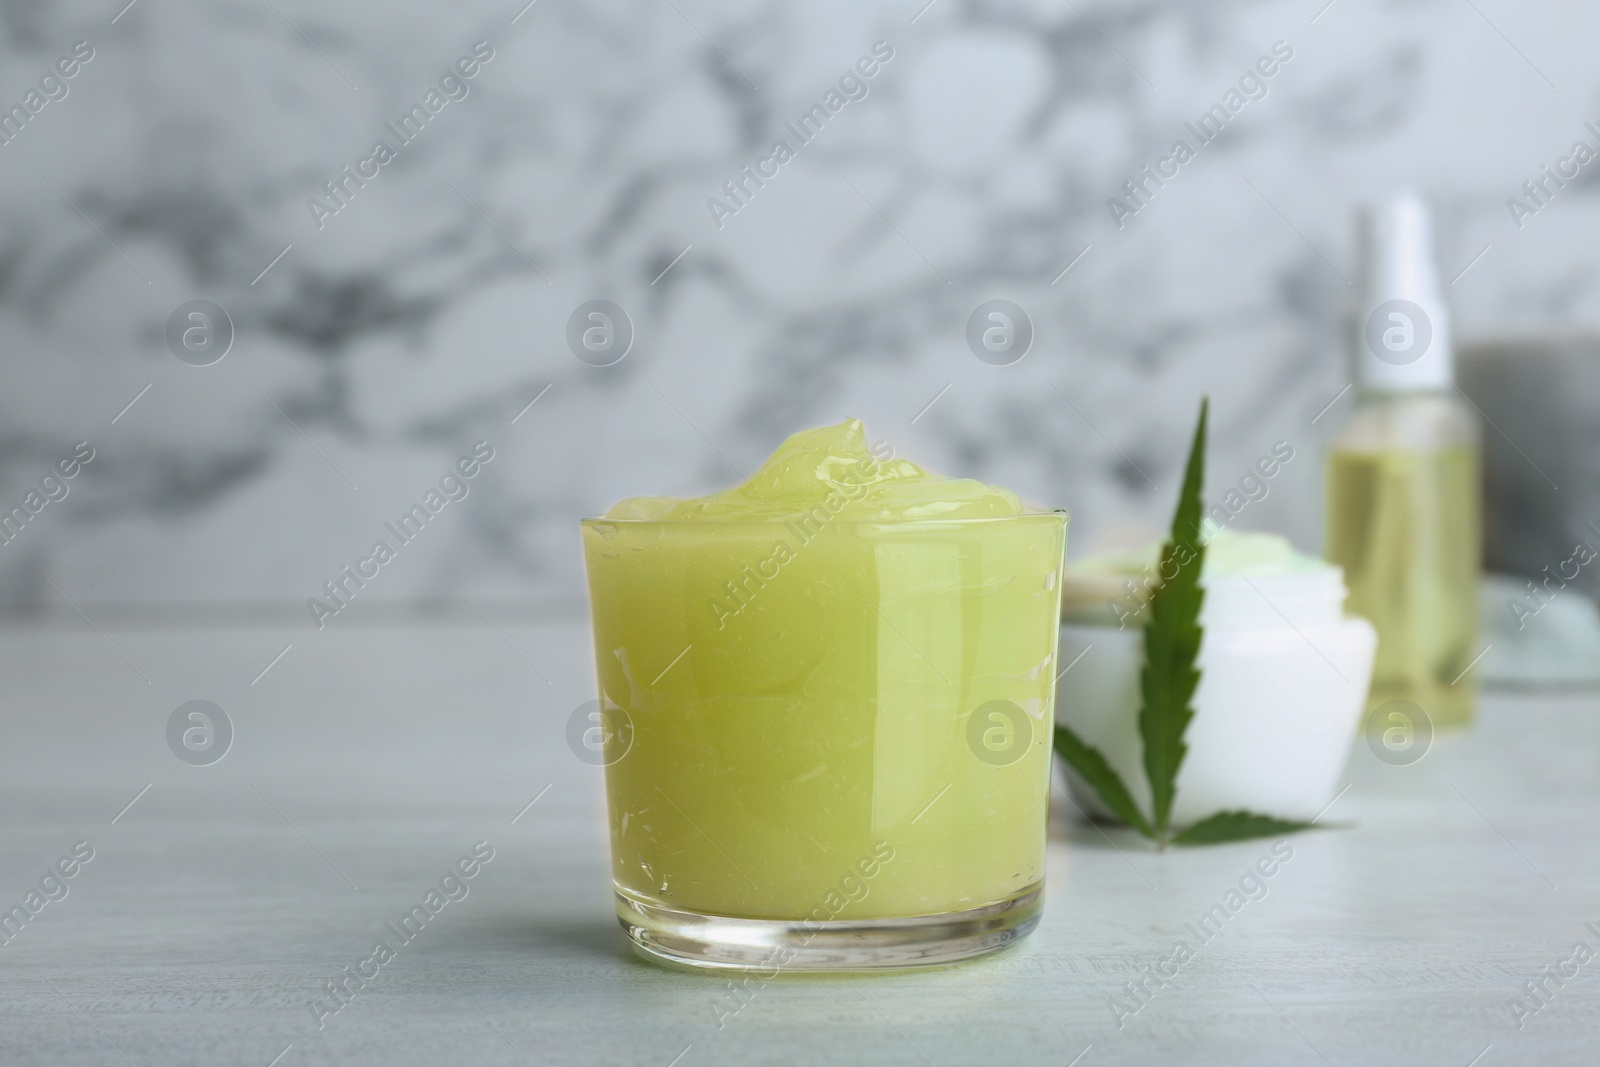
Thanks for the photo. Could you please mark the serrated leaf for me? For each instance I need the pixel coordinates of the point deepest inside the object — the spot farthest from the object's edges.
(1172, 640)
(1098, 773)
(1227, 826)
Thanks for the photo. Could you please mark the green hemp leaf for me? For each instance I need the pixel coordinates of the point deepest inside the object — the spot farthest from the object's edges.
(1167, 684)
(1172, 641)
(1092, 767)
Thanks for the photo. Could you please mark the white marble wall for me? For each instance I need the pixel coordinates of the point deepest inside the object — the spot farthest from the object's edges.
(429, 311)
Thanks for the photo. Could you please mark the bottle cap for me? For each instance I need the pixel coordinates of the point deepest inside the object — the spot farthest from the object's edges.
(1402, 324)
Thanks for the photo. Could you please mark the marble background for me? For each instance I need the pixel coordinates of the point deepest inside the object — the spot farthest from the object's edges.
(432, 308)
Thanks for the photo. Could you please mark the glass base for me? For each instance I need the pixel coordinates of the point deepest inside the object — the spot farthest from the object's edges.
(719, 942)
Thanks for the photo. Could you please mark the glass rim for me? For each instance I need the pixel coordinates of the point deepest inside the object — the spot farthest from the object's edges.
(1050, 513)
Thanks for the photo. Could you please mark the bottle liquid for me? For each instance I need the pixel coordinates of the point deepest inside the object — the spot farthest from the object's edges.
(1403, 478)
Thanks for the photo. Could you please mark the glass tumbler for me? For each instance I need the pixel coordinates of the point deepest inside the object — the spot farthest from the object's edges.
(827, 742)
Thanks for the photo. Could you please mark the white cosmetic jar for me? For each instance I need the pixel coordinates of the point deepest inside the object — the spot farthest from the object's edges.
(1283, 680)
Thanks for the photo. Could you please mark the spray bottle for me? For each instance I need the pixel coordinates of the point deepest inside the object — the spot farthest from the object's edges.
(1403, 483)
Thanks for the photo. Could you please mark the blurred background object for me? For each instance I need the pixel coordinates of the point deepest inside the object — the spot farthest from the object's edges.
(1541, 396)
(373, 345)
(1557, 647)
(1404, 474)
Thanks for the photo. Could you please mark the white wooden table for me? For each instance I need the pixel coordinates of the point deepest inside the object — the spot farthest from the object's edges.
(368, 759)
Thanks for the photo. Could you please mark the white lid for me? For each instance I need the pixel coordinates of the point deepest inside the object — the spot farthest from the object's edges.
(1232, 602)
(1401, 329)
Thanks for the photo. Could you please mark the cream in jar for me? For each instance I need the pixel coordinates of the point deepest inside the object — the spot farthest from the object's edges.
(1283, 676)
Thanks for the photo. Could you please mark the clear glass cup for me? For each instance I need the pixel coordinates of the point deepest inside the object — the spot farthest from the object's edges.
(828, 741)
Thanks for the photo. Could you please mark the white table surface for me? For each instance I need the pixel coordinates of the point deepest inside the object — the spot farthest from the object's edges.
(218, 905)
